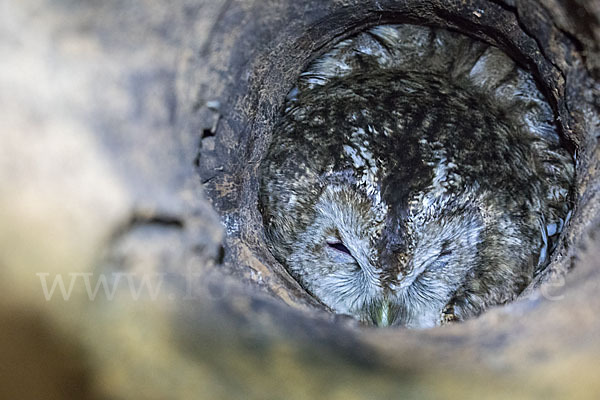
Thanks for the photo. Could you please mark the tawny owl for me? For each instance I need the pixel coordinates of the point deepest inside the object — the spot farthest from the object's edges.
(416, 176)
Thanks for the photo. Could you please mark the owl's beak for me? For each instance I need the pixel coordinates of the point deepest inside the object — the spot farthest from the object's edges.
(383, 315)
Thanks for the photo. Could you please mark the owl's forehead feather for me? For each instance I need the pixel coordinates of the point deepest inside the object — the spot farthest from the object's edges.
(352, 190)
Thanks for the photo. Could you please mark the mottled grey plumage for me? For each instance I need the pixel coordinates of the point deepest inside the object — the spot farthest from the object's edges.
(415, 177)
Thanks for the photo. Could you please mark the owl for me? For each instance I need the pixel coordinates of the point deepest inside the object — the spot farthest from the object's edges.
(415, 177)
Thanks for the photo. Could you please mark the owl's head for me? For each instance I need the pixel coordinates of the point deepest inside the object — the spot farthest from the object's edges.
(415, 176)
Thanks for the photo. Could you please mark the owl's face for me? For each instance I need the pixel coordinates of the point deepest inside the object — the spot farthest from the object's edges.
(351, 259)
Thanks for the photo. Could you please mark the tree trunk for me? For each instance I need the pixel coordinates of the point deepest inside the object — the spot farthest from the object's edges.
(132, 135)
